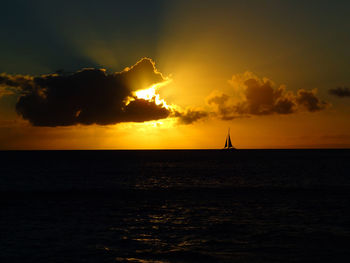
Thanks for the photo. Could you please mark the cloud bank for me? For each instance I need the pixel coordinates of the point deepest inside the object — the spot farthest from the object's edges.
(340, 92)
(89, 96)
(92, 96)
(262, 97)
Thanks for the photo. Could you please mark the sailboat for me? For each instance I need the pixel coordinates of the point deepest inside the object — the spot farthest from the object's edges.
(228, 143)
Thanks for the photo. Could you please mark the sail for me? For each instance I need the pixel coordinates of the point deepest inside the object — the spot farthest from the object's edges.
(229, 142)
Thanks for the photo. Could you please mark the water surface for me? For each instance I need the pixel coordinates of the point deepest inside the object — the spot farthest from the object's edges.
(175, 206)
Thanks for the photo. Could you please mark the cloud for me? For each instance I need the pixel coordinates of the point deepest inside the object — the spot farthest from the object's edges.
(89, 96)
(310, 101)
(262, 97)
(13, 84)
(92, 96)
(223, 105)
(190, 116)
(340, 92)
(140, 110)
(4, 91)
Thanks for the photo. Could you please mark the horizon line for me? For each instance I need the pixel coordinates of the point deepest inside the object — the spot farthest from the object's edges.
(177, 149)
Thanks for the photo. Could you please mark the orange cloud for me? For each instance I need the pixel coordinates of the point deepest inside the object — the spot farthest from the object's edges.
(262, 97)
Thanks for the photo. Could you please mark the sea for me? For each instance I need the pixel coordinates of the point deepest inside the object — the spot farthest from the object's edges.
(175, 206)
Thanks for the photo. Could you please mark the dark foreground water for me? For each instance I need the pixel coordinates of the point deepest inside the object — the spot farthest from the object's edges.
(175, 206)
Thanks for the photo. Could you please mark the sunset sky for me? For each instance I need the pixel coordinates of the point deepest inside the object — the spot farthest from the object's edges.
(174, 74)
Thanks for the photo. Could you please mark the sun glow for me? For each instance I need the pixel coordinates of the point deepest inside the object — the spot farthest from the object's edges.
(151, 94)
(146, 94)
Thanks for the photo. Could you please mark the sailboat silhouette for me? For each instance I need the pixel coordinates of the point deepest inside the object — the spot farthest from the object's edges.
(228, 143)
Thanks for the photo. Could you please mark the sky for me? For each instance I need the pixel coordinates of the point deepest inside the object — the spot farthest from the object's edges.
(174, 74)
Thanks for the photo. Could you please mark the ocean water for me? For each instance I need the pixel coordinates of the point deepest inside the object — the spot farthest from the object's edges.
(175, 206)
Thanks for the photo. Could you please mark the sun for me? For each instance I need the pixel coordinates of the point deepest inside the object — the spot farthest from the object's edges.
(151, 94)
(146, 94)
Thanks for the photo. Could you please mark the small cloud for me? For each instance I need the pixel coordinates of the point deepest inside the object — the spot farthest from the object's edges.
(309, 100)
(13, 84)
(190, 116)
(340, 92)
(5, 91)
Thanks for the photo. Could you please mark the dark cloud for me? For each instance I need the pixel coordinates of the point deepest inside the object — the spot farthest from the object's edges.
(190, 116)
(137, 109)
(263, 99)
(284, 105)
(340, 92)
(140, 76)
(309, 100)
(224, 107)
(89, 96)
(260, 97)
